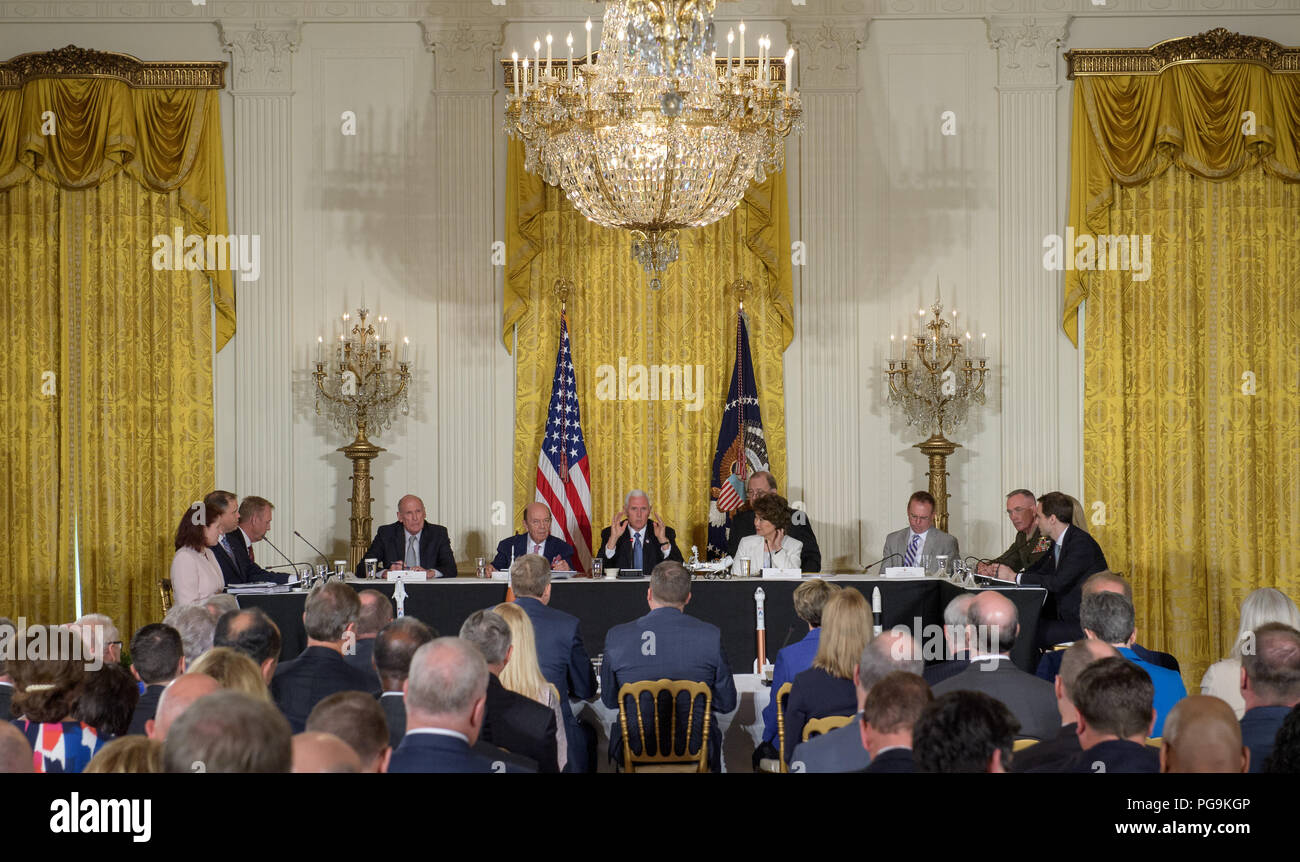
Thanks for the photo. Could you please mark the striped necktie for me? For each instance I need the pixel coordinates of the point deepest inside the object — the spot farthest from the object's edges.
(910, 559)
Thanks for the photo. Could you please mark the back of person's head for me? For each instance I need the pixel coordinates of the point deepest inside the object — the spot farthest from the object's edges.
(490, 633)
(956, 619)
(894, 650)
(229, 731)
(233, 670)
(132, 754)
(48, 667)
(670, 583)
(219, 605)
(896, 702)
(1114, 696)
(107, 700)
(1265, 605)
(961, 731)
(810, 599)
(530, 575)
(396, 644)
(196, 627)
(177, 697)
(1079, 655)
(523, 675)
(846, 629)
(16, 756)
(996, 622)
(323, 753)
(356, 718)
(156, 653)
(1058, 504)
(1201, 734)
(1107, 581)
(331, 608)
(1285, 759)
(447, 676)
(376, 612)
(98, 633)
(1109, 616)
(250, 631)
(1273, 666)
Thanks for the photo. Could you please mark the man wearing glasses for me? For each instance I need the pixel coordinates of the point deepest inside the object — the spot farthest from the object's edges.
(1030, 543)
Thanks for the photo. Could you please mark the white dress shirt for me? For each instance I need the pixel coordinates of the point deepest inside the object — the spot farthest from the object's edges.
(438, 731)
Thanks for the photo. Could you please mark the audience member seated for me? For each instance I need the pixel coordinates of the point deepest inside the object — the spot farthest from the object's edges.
(195, 572)
(840, 750)
(107, 701)
(315, 752)
(376, 612)
(15, 751)
(394, 647)
(446, 696)
(963, 732)
(1029, 544)
(827, 687)
(668, 644)
(234, 549)
(770, 546)
(888, 719)
(1051, 755)
(8, 630)
(758, 485)
(219, 605)
(560, 653)
(228, 732)
(45, 693)
(512, 721)
(196, 627)
(636, 538)
(356, 718)
(252, 632)
(1113, 698)
(1108, 617)
(128, 755)
(921, 538)
(995, 624)
(956, 634)
(233, 670)
(178, 697)
(1270, 687)
(1223, 678)
(102, 640)
(329, 616)
(1285, 759)
(412, 543)
(523, 674)
(157, 658)
(810, 598)
(536, 539)
(1202, 735)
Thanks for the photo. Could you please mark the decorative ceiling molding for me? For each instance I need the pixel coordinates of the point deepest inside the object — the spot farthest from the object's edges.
(1213, 46)
(74, 62)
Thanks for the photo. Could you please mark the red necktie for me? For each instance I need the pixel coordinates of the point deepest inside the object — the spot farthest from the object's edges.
(251, 558)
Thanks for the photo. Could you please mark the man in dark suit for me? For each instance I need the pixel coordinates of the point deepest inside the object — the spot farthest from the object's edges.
(1270, 685)
(412, 543)
(376, 612)
(1202, 736)
(1052, 755)
(1074, 556)
(234, 550)
(667, 644)
(10, 632)
(157, 658)
(893, 707)
(560, 653)
(964, 732)
(394, 648)
(956, 631)
(1114, 699)
(330, 618)
(637, 539)
(760, 484)
(536, 539)
(996, 624)
(516, 723)
(446, 698)
(252, 632)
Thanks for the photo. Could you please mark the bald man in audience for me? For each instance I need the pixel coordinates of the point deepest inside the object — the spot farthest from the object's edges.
(252, 632)
(356, 718)
(376, 612)
(1051, 755)
(1202, 735)
(15, 751)
(1270, 686)
(412, 543)
(323, 753)
(178, 697)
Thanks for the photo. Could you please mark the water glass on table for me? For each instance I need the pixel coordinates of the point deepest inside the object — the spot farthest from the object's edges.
(480, 567)
(597, 567)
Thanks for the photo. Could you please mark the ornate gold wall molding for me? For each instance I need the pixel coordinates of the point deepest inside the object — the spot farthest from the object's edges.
(74, 62)
(1213, 46)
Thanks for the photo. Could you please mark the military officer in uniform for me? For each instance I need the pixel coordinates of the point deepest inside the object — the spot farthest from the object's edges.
(1030, 543)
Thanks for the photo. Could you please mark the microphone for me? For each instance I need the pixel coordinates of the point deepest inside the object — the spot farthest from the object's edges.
(881, 560)
(292, 564)
(314, 548)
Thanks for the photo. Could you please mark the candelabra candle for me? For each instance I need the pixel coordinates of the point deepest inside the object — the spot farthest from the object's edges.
(569, 42)
(588, 40)
(789, 70)
(548, 55)
(514, 55)
(742, 46)
(731, 35)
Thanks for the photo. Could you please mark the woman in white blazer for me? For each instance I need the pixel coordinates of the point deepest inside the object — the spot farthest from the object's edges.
(1265, 605)
(769, 547)
(195, 572)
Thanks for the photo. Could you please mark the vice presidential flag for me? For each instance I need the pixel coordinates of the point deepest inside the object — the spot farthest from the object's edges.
(563, 477)
(742, 448)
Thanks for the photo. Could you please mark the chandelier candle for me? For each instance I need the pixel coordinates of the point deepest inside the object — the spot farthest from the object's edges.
(789, 69)
(514, 55)
(731, 35)
(742, 46)
(569, 41)
(588, 40)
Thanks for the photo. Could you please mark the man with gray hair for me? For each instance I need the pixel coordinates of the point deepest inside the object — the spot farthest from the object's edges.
(1052, 755)
(1270, 686)
(101, 638)
(841, 750)
(446, 696)
(956, 631)
(330, 618)
(1108, 617)
(197, 628)
(231, 732)
(628, 543)
(516, 723)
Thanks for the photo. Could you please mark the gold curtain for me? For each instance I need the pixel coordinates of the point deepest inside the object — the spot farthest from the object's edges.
(664, 447)
(1191, 409)
(107, 385)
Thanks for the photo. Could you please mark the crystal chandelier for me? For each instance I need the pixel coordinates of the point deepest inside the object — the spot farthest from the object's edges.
(646, 151)
(670, 35)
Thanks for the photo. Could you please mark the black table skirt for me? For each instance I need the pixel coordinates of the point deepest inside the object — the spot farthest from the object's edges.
(729, 604)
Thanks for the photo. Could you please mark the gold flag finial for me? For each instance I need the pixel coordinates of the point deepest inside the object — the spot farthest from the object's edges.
(562, 288)
(741, 286)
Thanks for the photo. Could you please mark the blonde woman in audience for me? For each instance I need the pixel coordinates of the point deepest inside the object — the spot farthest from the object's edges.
(827, 687)
(128, 754)
(523, 674)
(1265, 605)
(233, 670)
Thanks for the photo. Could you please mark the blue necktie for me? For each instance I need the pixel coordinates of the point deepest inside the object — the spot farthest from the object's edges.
(910, 558)
(225, 546)
(637, 557)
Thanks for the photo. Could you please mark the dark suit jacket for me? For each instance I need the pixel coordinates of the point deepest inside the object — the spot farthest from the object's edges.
(1080, 556)
(1049, 666)
(300, 684)
(742, 525)
(553, 547)
(651, 554)
(145, 708)
(565, 664)
(667, 644)
(816, 694)
(6, 701)
(238, 568)
(1117, 755)
(939, 671)
(428, 752)
(1031, 701)
(520, 725)
(1259, 727)
(394, 704)
(896, 760)
(1050, 755)
(389, 547)
(363, 658)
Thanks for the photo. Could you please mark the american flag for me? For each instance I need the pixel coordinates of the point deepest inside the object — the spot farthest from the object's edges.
(563, 477)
